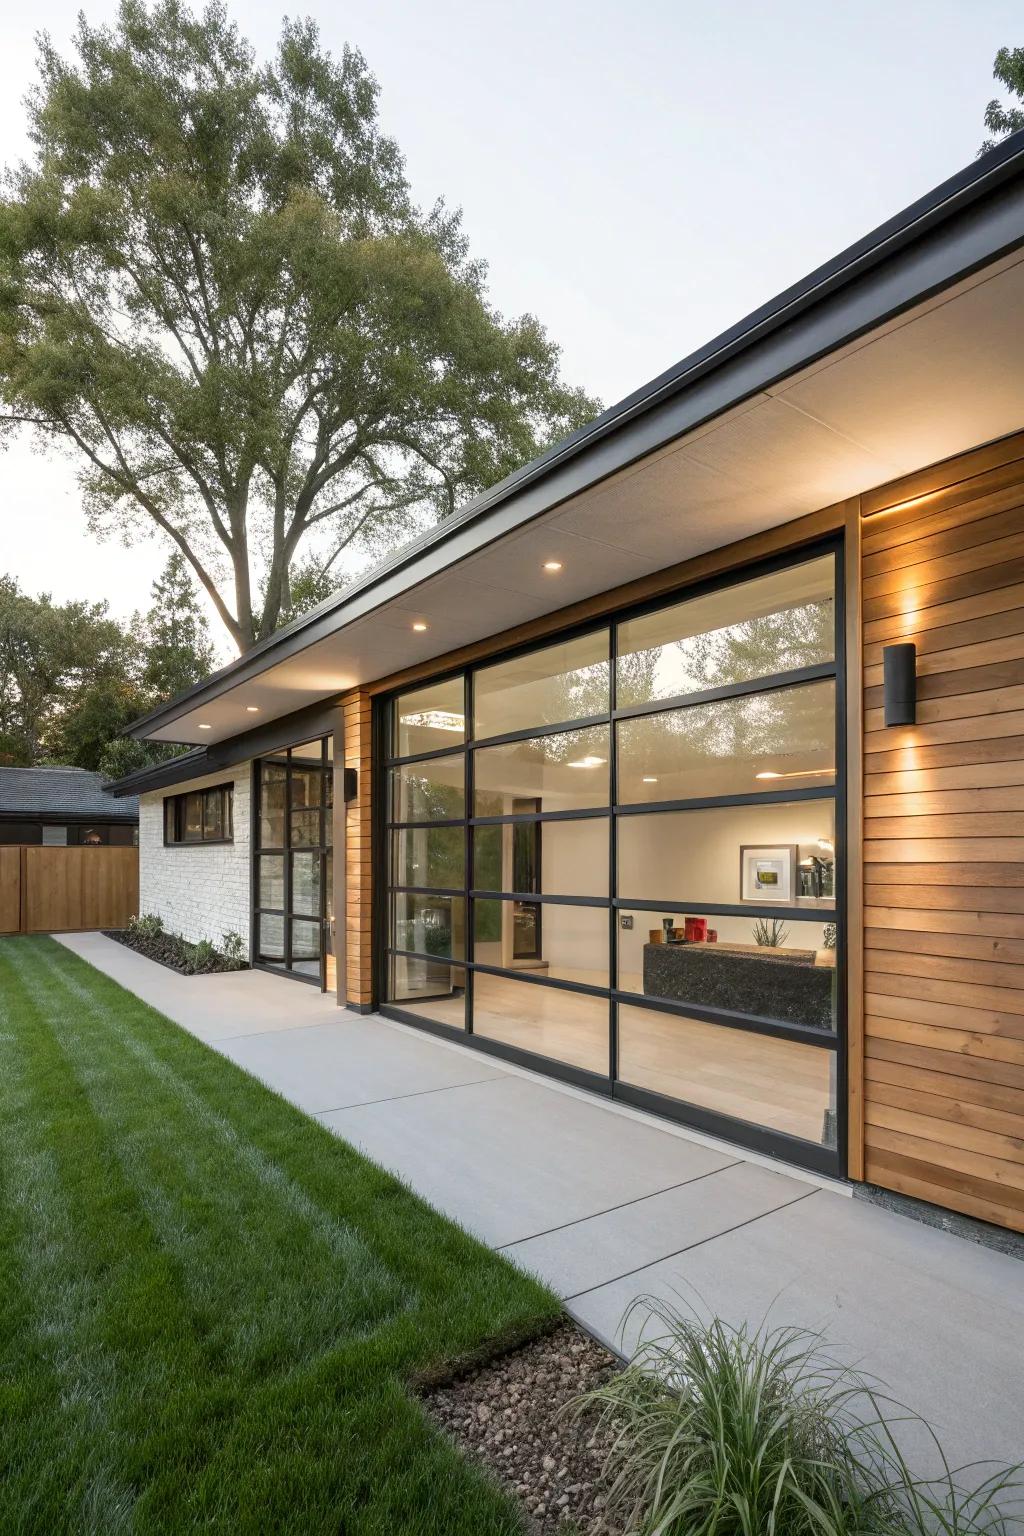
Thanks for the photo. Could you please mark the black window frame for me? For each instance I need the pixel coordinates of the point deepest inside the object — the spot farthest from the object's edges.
(284, 759)
(820, 1157)
(174, 816)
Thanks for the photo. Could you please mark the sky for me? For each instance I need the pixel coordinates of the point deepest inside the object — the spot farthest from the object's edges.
(638, 176)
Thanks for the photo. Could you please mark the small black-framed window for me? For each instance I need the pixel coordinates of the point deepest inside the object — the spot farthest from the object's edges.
(200, 816)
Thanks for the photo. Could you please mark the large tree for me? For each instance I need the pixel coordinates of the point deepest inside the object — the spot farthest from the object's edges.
(178, 648)
(56, 658)
(217, 293)
(1000, 120)
(72, 677)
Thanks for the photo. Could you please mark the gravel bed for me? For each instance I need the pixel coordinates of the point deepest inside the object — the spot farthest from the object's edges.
(509, 1415)
(167, 949)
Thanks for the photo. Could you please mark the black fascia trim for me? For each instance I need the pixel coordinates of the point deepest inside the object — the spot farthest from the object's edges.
(272, 736)
(175, 770)
(73, 818)
(967, 222)
(743, 1133)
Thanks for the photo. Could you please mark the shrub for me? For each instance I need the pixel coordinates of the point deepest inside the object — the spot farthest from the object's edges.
(148, 926)
(233, 948)
(720, 1431)
(199, 956)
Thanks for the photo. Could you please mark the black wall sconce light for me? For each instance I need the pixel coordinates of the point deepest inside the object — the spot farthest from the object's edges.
(899, 670)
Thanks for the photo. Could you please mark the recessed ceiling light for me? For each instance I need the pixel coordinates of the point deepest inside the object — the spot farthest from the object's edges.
(206, 727)
(589, 762)
(419, 626)
(552, 565)
(252, 709)
(648, 779)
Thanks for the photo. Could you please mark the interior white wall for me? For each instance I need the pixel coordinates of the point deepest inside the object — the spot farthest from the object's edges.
(692, 857)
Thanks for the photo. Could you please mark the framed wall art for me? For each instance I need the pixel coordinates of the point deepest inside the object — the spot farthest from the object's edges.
(767, 873)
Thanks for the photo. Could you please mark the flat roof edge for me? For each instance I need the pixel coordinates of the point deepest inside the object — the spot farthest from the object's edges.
(978, 180)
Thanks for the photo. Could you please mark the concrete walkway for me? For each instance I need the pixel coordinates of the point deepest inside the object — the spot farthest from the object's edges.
(607, 1204)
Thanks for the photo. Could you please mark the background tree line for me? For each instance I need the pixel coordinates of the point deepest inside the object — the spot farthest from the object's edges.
(72, 676)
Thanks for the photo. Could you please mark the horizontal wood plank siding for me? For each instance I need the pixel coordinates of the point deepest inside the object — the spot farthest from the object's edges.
(358, 713)
(943, 816)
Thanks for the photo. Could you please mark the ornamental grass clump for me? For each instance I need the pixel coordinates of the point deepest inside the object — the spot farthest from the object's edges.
(721, 1431)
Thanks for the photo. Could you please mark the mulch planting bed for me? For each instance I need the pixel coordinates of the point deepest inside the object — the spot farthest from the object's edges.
(510, 1415)
(167, 949)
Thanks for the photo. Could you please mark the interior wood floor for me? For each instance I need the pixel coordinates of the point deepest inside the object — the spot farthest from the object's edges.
(780, 1084)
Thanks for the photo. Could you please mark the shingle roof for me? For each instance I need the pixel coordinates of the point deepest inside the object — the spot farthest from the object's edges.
(61, 791)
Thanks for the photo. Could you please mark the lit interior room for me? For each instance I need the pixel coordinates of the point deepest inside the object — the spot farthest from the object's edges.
(625, 842)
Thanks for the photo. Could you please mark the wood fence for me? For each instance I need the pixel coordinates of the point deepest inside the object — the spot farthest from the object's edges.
(60, 890)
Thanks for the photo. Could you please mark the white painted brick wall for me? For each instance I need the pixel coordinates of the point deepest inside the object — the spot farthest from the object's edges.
(200, 890)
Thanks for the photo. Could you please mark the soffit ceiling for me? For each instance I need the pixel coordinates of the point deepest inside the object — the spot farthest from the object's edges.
(940, 379)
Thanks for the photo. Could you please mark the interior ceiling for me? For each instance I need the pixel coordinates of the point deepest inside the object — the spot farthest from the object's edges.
(942, 378)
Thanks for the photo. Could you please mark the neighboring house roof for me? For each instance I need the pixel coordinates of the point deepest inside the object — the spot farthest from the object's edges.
(958, 229)
(74, 793)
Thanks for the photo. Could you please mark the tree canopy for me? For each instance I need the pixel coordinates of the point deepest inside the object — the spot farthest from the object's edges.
(217, 293)
(72, 677)
(1000, 120)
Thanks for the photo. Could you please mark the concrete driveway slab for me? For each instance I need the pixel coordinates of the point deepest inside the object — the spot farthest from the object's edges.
(511, 1158)
(600, 1249)
(938, 1319)
(353, 1061)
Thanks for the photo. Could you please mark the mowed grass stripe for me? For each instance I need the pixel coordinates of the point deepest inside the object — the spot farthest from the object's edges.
(212, 1307)
(217, 1202)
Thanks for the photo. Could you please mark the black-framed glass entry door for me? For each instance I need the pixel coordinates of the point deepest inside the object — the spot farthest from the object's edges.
(292, 878)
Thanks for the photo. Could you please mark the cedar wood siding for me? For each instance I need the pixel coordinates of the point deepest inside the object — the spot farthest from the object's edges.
(942, 563)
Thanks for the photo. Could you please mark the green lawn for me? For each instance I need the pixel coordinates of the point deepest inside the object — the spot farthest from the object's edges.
(211, 1308)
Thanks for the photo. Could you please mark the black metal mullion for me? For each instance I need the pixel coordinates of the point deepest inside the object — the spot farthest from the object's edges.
(726, 909)
(584, 813)
(413, 826)
(719, 802)
(796, 677)
(469, 850)
(536, 732)
(839, 868)
(613, 854)
(412, 759)
(537, 898)
(288, 863)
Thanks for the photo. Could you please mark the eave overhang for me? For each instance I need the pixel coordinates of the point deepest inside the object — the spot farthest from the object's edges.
(901, 351)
